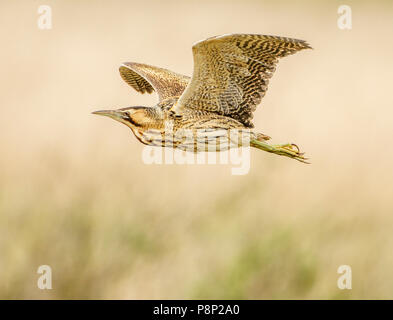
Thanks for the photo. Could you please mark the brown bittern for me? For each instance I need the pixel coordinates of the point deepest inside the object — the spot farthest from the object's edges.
(230, 77)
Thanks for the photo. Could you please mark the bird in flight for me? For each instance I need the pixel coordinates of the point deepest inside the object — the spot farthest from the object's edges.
(230, 77)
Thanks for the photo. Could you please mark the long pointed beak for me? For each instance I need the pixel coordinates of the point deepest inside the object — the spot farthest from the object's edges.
(114, 114)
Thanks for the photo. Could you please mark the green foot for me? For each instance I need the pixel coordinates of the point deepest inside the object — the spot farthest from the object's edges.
(288, 150)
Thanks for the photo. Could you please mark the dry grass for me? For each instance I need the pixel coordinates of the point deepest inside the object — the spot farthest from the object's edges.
(74, 193)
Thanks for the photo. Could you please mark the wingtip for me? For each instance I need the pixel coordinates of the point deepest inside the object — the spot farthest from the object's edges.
(307, 45)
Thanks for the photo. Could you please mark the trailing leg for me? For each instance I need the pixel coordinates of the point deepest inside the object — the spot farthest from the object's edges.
(288, 150)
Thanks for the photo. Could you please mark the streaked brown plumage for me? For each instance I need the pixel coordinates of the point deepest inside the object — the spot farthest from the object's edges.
(230, 78)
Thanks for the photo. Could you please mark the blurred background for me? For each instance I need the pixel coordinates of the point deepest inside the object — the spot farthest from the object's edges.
(75, 194)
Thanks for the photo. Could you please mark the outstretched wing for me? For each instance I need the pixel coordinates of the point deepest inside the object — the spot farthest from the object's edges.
(144, 78)
(231, 73)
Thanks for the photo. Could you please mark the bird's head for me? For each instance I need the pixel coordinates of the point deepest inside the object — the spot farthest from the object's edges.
(131, 116)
